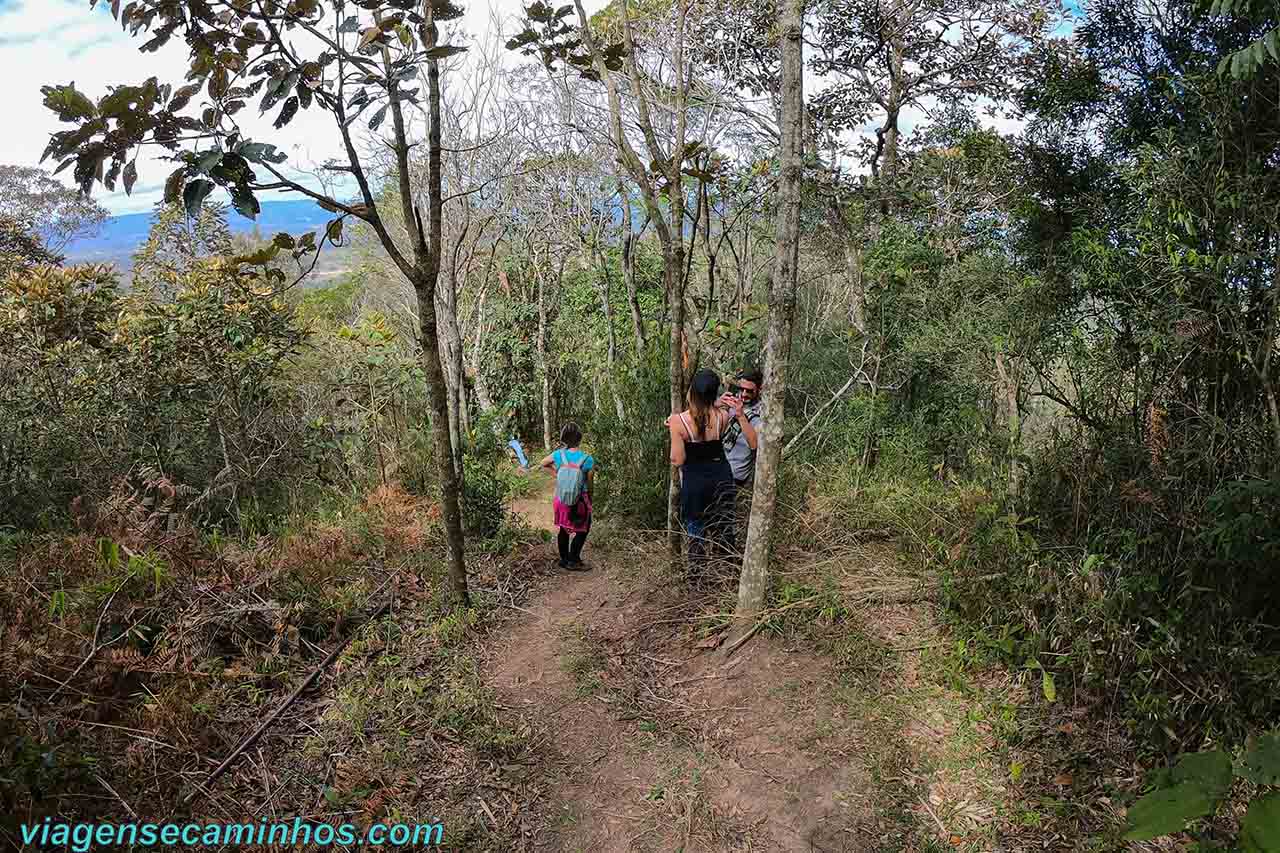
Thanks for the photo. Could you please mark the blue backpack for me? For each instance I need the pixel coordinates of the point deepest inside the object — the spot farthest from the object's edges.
(571, 480)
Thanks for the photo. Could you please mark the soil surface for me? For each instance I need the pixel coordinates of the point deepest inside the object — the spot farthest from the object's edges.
(657, 741)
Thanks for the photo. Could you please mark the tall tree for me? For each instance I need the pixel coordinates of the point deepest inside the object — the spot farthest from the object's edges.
(176, 244)
(753, 581)
(659, 176)
(56, 213)
(345, 59)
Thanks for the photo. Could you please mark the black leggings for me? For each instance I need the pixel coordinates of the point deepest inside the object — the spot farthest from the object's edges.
(570, 552)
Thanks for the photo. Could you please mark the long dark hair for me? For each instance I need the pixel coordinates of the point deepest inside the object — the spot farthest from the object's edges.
(703, 391)
(571, 435)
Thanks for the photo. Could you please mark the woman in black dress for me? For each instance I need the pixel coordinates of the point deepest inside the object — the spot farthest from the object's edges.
(706, 480)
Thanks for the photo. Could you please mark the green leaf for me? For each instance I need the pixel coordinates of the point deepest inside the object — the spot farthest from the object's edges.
(1048, 687)
(261, 257)
(68, 102)
(130, 176)
(331, 796)
(260, 152)
(1261, 762)
(1210, 770)
(1167, 810)
(173, 185)
(334, 231)
(444, 51)
(195, 194)
(378, 117)
(182, 97)
(245, 202)
(287, 112)
(208, 160)
(1260, 831)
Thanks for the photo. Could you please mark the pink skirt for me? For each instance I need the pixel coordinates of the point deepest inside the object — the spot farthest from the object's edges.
(576, 519)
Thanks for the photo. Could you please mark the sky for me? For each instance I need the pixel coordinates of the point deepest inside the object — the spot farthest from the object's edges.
(60, 41)
(46, 42)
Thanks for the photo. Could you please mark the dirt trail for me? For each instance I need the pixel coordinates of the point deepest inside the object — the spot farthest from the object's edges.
(655, 743)
(658, 746)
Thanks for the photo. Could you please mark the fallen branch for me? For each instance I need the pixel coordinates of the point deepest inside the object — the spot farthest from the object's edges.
(112, 791)
(97, 632)
(292, 697)
(764, 618)
(796, 438)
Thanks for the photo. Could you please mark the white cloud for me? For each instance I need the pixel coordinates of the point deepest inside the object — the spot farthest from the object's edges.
(46, 42)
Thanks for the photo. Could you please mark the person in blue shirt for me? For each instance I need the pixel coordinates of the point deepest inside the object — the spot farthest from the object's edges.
(576, 519)
(516, 447)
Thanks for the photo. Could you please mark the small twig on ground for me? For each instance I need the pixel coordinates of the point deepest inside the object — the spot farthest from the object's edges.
(97, 632)
(112, 791)
(487, 811)
(661, 661)
(941, 828)
(137, 734)
(289, 700)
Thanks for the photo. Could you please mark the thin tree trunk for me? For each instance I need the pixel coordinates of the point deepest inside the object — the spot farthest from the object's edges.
(482, 386)
(753, 582)
(450, 487)
(450, 483)
(425, 279)
(611, 356)
(543, 363)
(673, 263)
(451, 358)
(673, 272)
(629, 240)
(1008, 396)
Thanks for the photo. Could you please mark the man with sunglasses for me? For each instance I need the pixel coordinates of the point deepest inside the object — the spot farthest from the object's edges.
(742, 438)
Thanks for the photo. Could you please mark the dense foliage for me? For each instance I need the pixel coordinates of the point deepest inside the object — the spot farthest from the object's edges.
(1039, 359)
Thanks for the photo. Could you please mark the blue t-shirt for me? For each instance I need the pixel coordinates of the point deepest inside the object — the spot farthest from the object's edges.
(579, 456)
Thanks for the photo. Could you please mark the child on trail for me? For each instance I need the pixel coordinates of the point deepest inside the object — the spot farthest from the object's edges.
(572, 497)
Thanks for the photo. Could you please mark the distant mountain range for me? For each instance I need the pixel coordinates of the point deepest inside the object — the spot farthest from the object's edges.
(123, 235)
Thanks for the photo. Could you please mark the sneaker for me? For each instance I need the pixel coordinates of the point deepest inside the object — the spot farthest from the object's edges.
(578, 566)
(564, 564)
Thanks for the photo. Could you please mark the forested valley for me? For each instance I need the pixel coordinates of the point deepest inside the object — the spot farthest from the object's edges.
(1010, 271)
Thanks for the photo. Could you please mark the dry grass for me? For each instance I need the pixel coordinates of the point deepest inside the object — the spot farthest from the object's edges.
(130, 667)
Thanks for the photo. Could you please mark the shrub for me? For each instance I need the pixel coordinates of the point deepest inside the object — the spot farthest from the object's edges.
(633, 450)
(101, 386)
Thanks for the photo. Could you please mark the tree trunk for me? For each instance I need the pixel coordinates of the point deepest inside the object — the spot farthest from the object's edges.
(753, 582)
(611, 356)
(437, 394)
(673, 272)
(547, 434)
(450, 483)
(451, 359)
(425, 279)
(629, 240)
(1007, 394)
(482, 386)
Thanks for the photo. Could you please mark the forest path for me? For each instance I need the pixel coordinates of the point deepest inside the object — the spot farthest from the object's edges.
(648, 740)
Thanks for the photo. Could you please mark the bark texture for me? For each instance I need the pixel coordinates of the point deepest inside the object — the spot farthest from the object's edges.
(754, 579)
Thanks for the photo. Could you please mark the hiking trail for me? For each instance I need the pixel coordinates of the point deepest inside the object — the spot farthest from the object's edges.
(651, 741)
